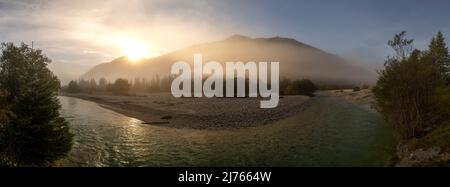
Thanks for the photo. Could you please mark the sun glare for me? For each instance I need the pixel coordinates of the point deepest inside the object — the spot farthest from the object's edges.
(135, 50)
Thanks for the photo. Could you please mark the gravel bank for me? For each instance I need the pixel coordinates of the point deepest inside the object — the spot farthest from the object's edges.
(198, 113)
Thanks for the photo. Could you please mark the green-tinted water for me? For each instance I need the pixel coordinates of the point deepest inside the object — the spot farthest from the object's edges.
(330, 132)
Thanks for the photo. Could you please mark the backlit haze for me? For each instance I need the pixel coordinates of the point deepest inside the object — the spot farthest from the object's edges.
(77, 35)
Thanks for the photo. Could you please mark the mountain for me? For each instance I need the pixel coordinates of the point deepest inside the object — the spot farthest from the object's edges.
(297, 60)
(67, 71)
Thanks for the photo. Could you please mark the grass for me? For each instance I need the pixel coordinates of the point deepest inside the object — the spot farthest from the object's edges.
(439, 137)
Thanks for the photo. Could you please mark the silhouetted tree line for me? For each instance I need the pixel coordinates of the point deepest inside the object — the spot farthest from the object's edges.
(413, 91)
(32, 133)
(287, 86)
(120, 86)
(125, 87)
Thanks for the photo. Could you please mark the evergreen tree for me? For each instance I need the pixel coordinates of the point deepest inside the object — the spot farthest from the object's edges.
(37, 135)
(84, 85)
(73, 87)
(102, 84)
(439, 54)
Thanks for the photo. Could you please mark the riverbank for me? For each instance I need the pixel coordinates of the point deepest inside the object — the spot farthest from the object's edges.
(429, 150)
(197, 113)
(363, 97)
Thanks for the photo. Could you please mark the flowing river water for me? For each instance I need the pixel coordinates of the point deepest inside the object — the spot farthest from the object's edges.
(330, 132)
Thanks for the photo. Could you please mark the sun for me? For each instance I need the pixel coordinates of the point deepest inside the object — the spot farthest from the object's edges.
(135, 50)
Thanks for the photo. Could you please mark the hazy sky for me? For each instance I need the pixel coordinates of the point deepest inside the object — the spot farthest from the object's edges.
(90, 32)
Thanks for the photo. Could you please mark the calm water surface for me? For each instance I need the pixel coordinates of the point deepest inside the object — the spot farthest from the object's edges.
(330, 132)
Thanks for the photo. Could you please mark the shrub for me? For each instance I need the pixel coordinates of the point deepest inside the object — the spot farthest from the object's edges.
(409, 91)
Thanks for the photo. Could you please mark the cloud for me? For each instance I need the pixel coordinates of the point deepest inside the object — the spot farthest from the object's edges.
(65, 30)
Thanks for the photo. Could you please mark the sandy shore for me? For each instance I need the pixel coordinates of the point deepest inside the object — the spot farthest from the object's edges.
(364, 97)
(197, 113)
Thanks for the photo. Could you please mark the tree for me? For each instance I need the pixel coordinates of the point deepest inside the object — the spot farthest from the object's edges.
(405, 90)
(5, 112)
(284, 84)
(121, 87)
(439, 54)
(402, 46)
(154, 85)
(5, 116)
(84, 85)
(73, 87)
(37, 135)
(299, 87)
(102, 84)
(92, 85)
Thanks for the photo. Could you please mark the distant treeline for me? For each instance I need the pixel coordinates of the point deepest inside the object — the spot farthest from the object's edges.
(120, 86)
(336, 86)
(159, 84)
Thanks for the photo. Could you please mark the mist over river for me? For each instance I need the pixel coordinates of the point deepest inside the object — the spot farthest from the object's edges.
(329, 132)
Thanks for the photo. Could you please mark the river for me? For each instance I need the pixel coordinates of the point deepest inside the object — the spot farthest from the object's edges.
(330, 132)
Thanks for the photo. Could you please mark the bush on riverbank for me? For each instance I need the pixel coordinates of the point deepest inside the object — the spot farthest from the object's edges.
(412, 95)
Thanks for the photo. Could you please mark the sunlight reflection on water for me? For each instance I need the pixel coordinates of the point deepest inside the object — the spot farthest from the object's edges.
(339, 134)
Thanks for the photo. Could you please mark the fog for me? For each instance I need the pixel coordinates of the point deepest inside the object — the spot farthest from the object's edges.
(297, 61)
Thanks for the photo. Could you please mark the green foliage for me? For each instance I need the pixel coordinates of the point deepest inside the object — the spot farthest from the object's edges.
(120, 87)
(36, 135)
(5, 113)
(441, 101)
(439, 137)
(439, 54)
(408, 90)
